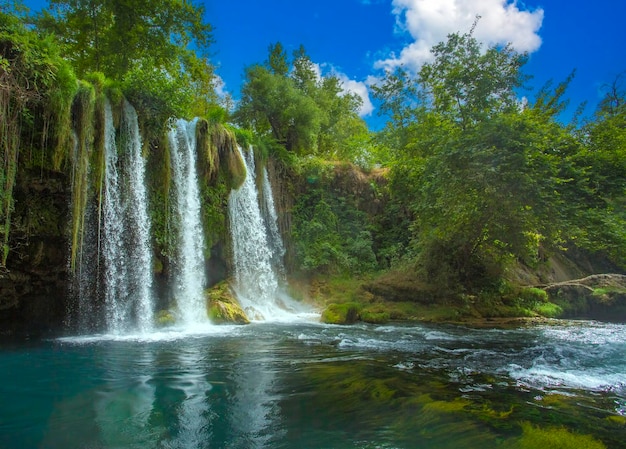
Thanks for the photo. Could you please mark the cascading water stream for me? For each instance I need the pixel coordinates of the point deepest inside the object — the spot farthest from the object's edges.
(189, 276)
(126, 252)
(256, 279)
(270, 218)
(138, 228)
(114, 275)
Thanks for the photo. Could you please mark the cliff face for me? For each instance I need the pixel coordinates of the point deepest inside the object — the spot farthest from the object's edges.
(33, 288)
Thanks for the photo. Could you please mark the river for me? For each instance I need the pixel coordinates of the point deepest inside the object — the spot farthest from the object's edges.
(308, 385)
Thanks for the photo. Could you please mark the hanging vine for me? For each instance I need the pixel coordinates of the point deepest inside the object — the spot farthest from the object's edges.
(34, 82)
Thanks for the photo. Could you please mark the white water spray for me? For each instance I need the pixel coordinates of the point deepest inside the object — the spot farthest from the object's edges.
(189, 266)
(126, 249)
(270, 218)
(256, 278)
(138, 227)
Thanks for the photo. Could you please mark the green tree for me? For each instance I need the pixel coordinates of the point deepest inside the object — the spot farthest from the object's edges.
(469, 85)
(305, 112)
(479, 175)
(277, 60)
(600, 221)
(487, 197)
(272, 105)
(147, 46)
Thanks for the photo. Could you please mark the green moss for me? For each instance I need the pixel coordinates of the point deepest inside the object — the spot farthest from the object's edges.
(454, 406)
(219, 157)
(346, 313)
(157, 265)
(555, 438)
(548, 309)
(617, 419)
(374, 317)
(223, 307)
(83, 111)
(236, 168)
(165, 318)
(489, 414)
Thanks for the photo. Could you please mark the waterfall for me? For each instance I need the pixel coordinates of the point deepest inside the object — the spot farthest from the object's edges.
(256, 278)
(138, 222)
(114, 276)
(270, 218)
(125, 239)
(188, 265)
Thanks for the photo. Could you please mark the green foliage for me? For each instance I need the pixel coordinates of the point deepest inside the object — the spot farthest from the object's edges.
(533, 295)
(157, 98)
(271, 103)
(305, 113)
(480, 182)
(601, 218)
(157, 51)
(548, 309)
(487, 197)
(468, 86)
(36, 91)
(330, 233)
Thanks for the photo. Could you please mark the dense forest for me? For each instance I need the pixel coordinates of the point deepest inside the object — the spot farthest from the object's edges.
(463, 202)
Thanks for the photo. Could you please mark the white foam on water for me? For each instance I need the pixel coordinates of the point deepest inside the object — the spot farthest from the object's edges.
(173, 333)
(543, 377)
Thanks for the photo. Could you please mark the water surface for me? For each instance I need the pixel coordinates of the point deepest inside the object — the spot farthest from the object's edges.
(307, 385)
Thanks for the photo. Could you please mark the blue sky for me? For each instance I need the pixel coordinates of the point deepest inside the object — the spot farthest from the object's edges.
(358, 39)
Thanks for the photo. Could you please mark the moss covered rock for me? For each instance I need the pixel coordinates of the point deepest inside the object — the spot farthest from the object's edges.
(223, 307)
(346, 313)
(165, 318)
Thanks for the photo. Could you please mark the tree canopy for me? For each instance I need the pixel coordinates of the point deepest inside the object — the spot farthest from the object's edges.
(157, 50)
(489, 180)
(298, 107)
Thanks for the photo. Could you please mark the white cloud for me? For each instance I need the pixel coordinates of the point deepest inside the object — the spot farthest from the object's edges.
(317, 69)
(430, 21)
(220, 86)
(359, 88)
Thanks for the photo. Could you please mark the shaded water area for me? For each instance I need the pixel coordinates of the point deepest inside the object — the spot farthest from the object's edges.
(307, 385)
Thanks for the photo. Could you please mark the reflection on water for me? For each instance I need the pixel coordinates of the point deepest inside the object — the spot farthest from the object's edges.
(123, 404)
(310, 386)
(187, 394)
